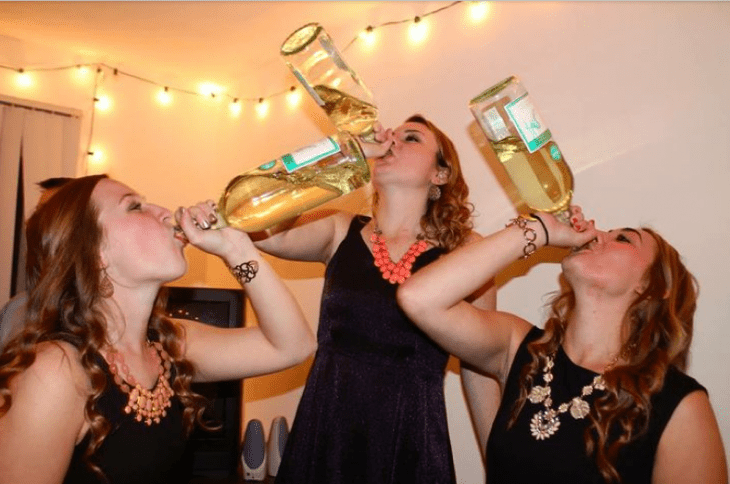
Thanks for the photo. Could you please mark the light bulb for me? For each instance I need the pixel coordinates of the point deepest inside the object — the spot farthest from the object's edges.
(262, 107)
(164, 97)
(24, 79)
(103, 103)
(293, 97)
(368, 36)
(478, 10)
(235, 107)
(418, 30)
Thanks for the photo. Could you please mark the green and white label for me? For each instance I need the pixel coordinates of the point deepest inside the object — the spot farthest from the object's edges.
(528, 123)
(309, 154)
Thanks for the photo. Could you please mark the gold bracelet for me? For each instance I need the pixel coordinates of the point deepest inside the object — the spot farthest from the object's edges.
(529, 234)
(245, 271)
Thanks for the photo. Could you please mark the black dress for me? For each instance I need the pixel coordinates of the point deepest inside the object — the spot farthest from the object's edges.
(133, 453)
(514, 456)
(373, 408)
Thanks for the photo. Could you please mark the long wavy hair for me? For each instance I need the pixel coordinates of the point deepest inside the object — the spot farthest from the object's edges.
(448, 219)
(65, 295)
(659, 333)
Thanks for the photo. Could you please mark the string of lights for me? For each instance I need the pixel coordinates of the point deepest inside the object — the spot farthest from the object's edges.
(164, 96)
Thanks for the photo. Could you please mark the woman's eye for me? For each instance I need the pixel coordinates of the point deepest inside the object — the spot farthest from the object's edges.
(135, 206)
(622, 238)
(411, 137)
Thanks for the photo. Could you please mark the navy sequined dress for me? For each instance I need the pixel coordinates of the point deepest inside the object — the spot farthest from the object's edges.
(373, 408)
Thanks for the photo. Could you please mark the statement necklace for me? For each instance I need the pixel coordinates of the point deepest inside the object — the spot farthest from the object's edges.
(395, 273)
(546, 422)
(148, 405)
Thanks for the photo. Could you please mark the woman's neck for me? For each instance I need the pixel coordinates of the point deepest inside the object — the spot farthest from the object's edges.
(128, 313)
(398, 214)
(593, 336)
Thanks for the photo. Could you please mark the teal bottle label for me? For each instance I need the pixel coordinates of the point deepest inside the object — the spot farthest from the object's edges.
(310, 154)
(555, 153)
(528, 123)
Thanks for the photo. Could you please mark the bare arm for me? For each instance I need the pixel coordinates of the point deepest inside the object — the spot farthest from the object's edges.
(434, 296)
(690, 449)
(282, 338)
(46, 418)
(482, 391)
(314, 237)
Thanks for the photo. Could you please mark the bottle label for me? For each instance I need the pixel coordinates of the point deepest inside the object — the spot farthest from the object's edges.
(495, 124)
(309, 154)
(306, 85)
(528, 123)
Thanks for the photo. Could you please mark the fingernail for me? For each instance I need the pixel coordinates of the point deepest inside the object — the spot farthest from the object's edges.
(213, 219)
(205, 224)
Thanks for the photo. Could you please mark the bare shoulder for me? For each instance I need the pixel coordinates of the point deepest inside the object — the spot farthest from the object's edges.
(57, 368)
(690, 448)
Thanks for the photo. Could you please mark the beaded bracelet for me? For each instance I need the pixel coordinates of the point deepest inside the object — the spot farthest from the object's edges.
(245, 271)
(529, 234)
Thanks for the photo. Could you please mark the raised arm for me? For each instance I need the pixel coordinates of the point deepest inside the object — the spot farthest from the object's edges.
(282, 338)
(434, 296)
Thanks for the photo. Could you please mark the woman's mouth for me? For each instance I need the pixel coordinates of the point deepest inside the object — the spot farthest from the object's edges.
(180, 235)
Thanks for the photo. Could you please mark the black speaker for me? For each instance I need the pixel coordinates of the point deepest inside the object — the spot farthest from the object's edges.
(253, 455)
(213, 453)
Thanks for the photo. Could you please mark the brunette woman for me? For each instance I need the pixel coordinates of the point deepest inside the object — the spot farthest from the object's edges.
(373, 408)
(600, 394)
(96, 388)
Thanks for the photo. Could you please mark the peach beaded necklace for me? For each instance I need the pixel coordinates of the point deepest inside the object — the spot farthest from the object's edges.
(148, 405)
(395, 272)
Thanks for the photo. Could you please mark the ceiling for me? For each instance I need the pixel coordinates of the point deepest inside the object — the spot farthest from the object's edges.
(222, 42)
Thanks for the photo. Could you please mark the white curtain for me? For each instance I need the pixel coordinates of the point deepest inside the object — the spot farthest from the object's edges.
(49, 142)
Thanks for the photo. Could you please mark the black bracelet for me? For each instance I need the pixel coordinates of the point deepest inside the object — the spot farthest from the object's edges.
(245, 271)
(547, 236)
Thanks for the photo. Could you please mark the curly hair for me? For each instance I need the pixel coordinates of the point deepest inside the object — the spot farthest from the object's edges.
(448, 219)
(64, 299)
(659, 329)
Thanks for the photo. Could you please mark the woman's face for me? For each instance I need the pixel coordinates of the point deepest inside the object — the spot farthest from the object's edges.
(139, 243)
(616, 262)
(411, 159)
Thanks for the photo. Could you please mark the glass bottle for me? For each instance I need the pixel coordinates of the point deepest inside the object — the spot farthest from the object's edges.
(524, 146)
(336, 88)
(265, 198)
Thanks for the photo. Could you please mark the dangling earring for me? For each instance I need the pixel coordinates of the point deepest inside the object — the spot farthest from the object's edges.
(434, 192)
(106, 288)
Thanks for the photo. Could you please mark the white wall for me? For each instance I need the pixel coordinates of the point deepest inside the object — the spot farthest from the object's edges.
(636, 95)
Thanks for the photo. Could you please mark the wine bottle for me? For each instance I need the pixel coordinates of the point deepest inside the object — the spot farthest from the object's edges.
(265, 198)
(525, 147)
(336, 88)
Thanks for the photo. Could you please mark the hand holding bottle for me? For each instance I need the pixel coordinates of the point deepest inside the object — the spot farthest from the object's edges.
(559, 234)
(379, 145)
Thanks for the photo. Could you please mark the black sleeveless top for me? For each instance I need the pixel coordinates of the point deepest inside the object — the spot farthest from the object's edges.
(373, 408)
(132, 452)
(514, 456)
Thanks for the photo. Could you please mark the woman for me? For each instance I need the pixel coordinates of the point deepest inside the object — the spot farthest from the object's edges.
(373, 408)
(599, 395)
(75, 384)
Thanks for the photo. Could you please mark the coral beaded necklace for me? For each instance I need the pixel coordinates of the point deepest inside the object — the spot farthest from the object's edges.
(395, 273)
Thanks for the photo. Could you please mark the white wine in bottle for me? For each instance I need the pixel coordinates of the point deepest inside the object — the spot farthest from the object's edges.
(265, 198)
(315, 61)
(524, 146)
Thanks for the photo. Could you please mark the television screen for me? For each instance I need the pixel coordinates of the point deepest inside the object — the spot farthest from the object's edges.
(213, 453)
